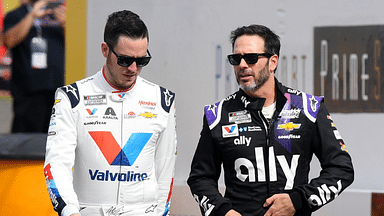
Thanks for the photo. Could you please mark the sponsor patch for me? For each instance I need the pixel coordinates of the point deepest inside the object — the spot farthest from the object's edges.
(289, 136)
(239, 117)
(242, 140)
(53, 114)
(337, 134)
(52, 133)
(290, 114)
(230, 130)
(95, 123)
(91, 113)
(110, 114)
(343, 147)
(294, 91)
(130, 115)
(113, 153)
(148, 104)
(289, 126)
(148, 115)
(95, 99)
(254, 128)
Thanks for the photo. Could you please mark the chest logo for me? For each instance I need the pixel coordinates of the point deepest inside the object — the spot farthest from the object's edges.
(95, 99)
(230, 130)
(239, 117)
(112, 152)
(289, 126)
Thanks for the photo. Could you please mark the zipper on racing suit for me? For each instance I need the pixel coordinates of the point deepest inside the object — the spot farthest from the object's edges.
(267, 126)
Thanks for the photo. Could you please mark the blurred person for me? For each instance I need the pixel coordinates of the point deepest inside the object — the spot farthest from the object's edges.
(34, 34)
(264, 135)
(111, 145)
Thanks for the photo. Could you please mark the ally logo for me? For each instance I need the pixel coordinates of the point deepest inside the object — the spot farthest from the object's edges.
(112, 151)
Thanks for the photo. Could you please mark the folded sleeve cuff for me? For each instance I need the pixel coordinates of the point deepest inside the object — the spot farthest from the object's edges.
(223, 209)
(296, 200)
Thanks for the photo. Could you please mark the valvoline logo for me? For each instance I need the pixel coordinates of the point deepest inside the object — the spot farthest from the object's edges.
(112, 151)
(91, 112)
(230, 130)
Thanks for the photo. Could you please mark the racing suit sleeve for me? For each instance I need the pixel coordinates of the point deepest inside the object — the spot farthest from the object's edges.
(165, 158)
(60, 156)
(336, 167)
(204, 175)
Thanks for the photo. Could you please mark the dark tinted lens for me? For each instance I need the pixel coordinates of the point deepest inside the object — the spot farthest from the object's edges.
(251, 58)
(143, 61)
(234, 59)
(125, 61)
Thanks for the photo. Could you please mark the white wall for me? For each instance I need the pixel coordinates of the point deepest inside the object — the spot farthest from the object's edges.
(183, 40)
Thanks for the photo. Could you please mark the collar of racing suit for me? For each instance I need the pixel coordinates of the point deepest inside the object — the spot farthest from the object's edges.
(258, 103)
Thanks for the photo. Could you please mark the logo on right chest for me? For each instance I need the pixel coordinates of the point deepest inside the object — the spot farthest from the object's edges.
(230, 130)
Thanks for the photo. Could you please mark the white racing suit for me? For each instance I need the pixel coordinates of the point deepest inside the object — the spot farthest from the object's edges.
(111, 152)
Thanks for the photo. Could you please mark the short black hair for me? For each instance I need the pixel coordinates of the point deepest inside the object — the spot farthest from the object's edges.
(271, 40)
(124, 23)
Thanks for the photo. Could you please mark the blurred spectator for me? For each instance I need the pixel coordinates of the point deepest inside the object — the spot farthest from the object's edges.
(34, 34)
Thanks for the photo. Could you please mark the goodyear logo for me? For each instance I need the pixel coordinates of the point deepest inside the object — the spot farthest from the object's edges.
(289, 126)
(148, 115)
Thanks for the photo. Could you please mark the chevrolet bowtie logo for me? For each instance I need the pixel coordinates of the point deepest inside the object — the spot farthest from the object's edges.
(289, 126)
(148, 115)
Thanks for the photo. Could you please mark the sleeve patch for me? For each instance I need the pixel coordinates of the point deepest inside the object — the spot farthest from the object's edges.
(167, 98)
(72, 92)
(211, 112)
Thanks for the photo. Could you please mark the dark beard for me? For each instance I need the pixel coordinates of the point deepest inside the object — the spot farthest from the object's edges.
(264, 76)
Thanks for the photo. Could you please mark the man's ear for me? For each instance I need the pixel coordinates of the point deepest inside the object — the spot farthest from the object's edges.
(104, 49)
(273, 62)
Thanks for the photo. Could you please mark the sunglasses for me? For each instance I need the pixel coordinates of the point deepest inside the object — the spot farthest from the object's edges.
(126, 61)
(250, 58)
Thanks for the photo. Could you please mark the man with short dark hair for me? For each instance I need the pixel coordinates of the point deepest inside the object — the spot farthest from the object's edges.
(111, 145)
(264, 136)
(35, 36)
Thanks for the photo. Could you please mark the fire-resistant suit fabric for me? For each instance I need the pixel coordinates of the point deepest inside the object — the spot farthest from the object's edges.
(111, 152)
(261, 158)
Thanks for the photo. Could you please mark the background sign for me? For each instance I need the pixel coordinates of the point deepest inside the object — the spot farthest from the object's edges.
(347, 65)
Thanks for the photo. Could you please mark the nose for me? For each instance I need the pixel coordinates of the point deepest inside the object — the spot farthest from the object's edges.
(243, 63)
(133, 66)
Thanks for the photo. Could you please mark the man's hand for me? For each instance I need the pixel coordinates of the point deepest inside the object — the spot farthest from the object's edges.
(232, 213)
(280, 205)
(60, 14)
(39, 9)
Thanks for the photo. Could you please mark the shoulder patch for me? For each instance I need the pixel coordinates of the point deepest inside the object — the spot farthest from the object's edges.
(167, 98)
(212, 113)
(73, 93)
(308, 103)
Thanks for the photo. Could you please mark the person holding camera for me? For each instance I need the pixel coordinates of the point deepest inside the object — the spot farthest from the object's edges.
(34, 33)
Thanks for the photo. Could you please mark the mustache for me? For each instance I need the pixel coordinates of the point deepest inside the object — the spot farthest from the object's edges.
(242, 72)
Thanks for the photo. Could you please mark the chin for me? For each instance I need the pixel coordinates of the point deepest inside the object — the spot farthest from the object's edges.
(248, 87)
